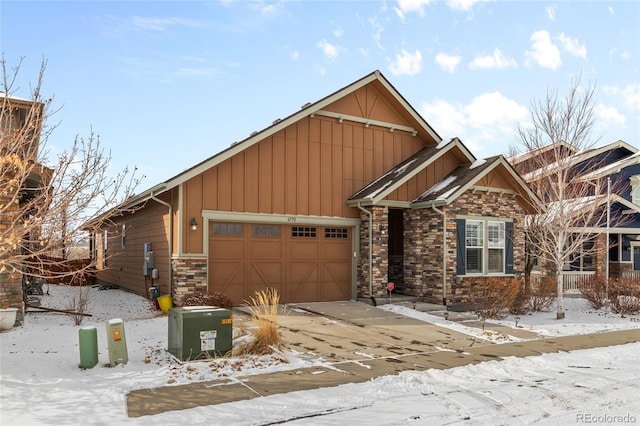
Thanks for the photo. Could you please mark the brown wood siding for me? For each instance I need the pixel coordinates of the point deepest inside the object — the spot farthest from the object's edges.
(124, 264)
(308, 168)
(369, 102)
(424, 180)
(285, 175)
(497, 178)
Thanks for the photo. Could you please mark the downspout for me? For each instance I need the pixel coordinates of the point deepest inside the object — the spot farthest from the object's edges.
(370, 248)
(444, 254)
(164, 203)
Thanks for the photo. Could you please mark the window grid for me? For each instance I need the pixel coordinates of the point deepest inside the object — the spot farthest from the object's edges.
(303, 231)
(338, 233)
(265, 230)
(227, 229)
(495, 237)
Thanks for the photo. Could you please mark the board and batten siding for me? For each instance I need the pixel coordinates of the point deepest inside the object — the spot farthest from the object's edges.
(309, 168)
(124, 264)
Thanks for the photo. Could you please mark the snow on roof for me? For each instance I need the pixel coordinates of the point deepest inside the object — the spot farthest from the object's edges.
(444, 143)
(447, 194)
(439, 186)
(478, 163)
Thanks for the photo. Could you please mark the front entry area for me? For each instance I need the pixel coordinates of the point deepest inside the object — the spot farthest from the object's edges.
(303, 263)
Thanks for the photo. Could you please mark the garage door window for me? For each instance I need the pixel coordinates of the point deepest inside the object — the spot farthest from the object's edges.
(339, 233)
(265, 231)
(303, 231)
(227, 229)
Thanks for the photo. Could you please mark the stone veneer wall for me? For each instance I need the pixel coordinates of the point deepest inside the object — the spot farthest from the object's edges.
(380, 259)
(487, 204)
(189, 275)
(10, 281)
(424, 240)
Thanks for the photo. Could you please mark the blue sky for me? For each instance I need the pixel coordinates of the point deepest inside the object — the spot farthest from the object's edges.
(167, 84)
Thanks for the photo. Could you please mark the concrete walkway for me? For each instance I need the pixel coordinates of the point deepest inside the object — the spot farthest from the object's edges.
(359, 342)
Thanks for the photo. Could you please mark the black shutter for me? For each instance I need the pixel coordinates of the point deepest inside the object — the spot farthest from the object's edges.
(508, 231)
(461, 261)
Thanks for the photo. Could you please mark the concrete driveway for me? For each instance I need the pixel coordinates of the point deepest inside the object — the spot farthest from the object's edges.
(358, 342)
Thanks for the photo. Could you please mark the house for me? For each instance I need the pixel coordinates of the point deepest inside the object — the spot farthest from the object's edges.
(20, 177)
(332, 202)
(613, 169)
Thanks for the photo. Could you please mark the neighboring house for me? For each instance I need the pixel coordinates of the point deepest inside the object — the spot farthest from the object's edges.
(618, 163)
(14, 116)
(330, 203)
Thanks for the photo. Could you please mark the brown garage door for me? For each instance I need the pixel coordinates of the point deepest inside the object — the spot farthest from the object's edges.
(304, 263)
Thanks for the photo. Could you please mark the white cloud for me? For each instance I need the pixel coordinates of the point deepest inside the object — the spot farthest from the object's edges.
(161, 24)
(338, 32)
(408, 6)
(551, 12)
(448, 62)
(573, 46)
(496, 60)
(630, 95)
(295, 55)
(329, 50)
(407, 63)
(608, 116)
(377, 31)
(463, 5)
(543, 52)
(488, 120)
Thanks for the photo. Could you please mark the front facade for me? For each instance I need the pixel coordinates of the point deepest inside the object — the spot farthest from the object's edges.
(20, 177)
(614, 168)
(331, 203)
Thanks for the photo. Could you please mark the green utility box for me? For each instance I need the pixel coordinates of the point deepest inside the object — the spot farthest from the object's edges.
(196, 332)
(88, 347)
(117, 342)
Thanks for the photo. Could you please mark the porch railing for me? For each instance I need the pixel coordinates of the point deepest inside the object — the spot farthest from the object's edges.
(570, 279)
(631, 274)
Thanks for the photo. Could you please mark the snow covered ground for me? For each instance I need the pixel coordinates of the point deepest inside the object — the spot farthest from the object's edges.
(42, 384)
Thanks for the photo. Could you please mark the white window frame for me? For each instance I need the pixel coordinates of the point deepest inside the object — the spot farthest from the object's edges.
(486, 244)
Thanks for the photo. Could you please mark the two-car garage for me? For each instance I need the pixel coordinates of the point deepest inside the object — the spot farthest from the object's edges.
(303, 263)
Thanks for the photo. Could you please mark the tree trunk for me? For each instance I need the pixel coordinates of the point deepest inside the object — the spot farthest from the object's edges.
(559, 298)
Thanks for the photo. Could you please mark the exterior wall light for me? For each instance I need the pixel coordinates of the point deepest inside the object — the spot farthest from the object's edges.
(194, 224)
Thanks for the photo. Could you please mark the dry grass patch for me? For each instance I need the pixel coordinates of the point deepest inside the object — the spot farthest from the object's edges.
(265, 337)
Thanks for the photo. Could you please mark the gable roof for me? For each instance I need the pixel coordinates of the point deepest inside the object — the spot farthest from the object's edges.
(376, 78)
(527, 155)
(464, 177)
(613, 168)
(398, 175)
(578, 158)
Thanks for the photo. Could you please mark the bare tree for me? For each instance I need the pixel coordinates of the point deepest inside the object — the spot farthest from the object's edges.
(45, 202)
(552, 163)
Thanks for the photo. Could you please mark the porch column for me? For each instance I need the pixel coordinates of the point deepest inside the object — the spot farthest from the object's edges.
(379, 254)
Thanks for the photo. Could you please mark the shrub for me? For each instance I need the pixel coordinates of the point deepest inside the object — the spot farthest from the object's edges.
(78, 305)
(593, 289)
(624, 295)
(492, 296)
(203, 298)
(520, 303)
(543, 293)
(266, 338)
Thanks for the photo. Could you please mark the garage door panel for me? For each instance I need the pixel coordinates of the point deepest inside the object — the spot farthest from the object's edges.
(336, 280)
(265, 250)
(227, 250)
(303, 263)
(303, 250)
(336, 251)
(228, 278)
